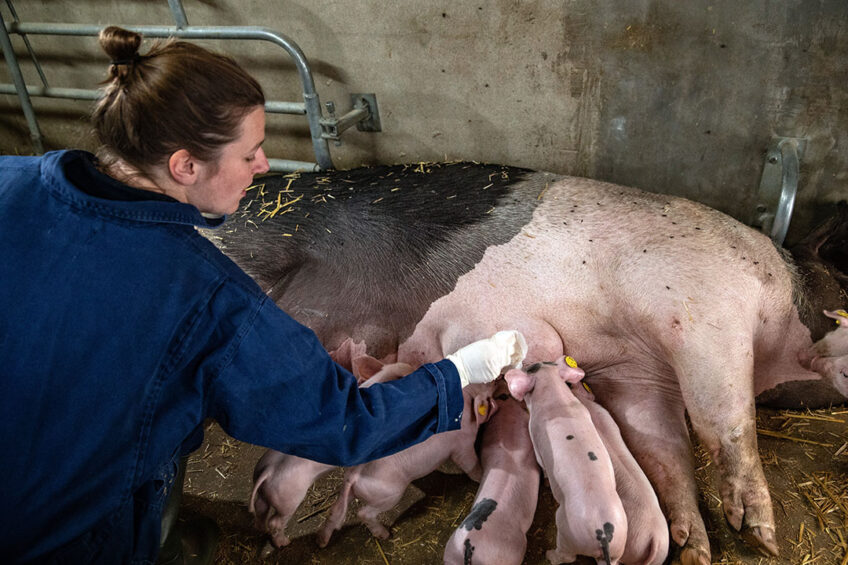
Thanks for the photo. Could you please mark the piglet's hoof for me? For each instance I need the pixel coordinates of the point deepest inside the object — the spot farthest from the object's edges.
(762, 539)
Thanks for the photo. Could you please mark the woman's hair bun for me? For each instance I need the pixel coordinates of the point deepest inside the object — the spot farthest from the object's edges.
(121, 45)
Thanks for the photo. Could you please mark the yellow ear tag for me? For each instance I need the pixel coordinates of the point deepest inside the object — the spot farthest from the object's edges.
(570, 362)
(482, 409)
(586, 386)
(842, 313)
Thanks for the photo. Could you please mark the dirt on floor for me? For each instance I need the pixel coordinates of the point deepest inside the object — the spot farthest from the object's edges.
(804, 454)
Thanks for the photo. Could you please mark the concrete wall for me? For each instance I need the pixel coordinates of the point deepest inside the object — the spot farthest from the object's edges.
(669, 96)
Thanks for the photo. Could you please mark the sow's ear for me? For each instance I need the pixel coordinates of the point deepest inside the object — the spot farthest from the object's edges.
(568, 370)
(519, 383)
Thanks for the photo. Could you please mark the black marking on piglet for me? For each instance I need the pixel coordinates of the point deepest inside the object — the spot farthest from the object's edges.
(479, 513)
(605, 537)
(534, 368)
(592, 456)
(469, 551)
(569, 436)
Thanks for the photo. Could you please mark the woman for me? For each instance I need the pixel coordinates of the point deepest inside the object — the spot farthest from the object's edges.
(123, 329)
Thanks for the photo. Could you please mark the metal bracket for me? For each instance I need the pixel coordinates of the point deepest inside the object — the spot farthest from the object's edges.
(364, 115)
(367, 100)
(778, 187)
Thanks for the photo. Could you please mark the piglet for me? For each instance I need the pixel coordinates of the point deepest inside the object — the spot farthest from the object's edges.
(281, 481)
(380, 484)
(829, 355)
(495, 530)
(590, 518)
(647, 528)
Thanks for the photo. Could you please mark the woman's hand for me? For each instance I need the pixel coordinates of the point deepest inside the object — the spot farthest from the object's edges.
(483, 361)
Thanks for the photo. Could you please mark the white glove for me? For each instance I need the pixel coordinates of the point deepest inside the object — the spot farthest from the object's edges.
(483, 361)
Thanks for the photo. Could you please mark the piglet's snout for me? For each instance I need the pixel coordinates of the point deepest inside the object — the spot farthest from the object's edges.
(519, 383)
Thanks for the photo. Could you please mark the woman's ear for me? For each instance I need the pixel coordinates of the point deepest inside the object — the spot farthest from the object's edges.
(184, 168)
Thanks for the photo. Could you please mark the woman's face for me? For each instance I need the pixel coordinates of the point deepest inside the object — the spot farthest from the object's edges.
(222, 185)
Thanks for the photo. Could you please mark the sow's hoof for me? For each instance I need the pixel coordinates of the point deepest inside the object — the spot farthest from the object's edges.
(762, 539)
(691, 556)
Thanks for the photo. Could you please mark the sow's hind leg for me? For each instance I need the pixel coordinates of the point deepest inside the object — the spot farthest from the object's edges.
(716, 372)
(649, 411)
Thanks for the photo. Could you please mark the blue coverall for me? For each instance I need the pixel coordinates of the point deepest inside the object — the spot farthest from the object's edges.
(121, 330)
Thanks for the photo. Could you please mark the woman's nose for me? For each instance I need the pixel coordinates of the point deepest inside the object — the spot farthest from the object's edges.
(262, 165)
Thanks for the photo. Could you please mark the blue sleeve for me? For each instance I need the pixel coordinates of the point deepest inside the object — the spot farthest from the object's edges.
(280, 389)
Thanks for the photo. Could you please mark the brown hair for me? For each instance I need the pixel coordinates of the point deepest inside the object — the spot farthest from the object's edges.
(177, 96)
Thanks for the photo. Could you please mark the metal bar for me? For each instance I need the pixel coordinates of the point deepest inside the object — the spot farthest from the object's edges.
(179, 13)
(279, 165)
(310, 96)
(192, 32)
(271, 106)
(28, 45)
(285, 107)
(23, 96)
(51, 92)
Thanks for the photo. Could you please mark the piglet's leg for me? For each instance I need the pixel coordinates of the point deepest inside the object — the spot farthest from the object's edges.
(379, 493)
(467, 460)
(564, 552)
(336, 517)
(654, 428)
(727, 427)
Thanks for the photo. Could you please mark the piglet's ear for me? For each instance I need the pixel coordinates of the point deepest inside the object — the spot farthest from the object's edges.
(364, 367)
(483, 408)
(841, 316)
(519, 383)
(568, 370)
